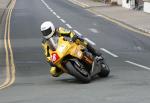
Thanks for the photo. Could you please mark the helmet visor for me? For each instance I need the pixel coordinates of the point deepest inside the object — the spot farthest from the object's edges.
(47, 32)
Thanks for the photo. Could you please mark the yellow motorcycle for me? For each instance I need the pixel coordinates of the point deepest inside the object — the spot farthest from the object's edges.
(74, 59)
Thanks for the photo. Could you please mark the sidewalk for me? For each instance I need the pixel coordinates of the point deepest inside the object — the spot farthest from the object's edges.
(131, 18)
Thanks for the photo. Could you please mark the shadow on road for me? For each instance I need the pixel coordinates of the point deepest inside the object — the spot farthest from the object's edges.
(75, 81)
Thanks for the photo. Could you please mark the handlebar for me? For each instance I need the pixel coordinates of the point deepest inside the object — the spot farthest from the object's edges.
(67, 39)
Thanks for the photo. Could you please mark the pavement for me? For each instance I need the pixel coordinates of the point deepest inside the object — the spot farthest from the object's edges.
(126, 52)
(131, 18)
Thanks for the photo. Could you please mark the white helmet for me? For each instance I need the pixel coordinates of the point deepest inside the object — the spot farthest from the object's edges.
(47, 29)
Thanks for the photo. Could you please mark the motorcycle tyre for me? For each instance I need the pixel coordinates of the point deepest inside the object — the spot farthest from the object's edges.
(75, 72)
(104, 71)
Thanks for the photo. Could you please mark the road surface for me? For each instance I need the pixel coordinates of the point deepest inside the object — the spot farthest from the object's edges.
(126, 52)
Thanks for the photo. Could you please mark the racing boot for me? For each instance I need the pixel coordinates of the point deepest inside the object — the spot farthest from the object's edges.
(95, 52)
(55, 72)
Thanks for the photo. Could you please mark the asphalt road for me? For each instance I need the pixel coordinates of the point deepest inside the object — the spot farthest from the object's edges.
(126, 52)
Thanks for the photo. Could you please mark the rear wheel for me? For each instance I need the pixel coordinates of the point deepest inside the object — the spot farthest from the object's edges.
(105, 70)
(79, 72)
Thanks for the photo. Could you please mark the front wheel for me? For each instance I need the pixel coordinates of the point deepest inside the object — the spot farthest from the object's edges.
(80, 73)
(105, 70)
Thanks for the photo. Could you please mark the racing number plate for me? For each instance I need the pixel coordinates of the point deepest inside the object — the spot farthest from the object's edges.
(54, 57)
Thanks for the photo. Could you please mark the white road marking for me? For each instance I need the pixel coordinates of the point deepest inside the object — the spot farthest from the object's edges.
(138, 48)
(58, 16)
(89, 41)
(99, 15)
(69, 26)
(54, 13)
(138, 65)
(110, 53)
(50, 9)
(63, 20)
(94, 24)
(77, 32)
(93, 30)
(46, 5)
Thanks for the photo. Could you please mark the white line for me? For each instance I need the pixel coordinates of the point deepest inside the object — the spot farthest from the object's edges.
(63, 20)
(93, 30)
(77, 32)
(58, 16)
(69, 26)
(138, 65)
(46, 5)
(50, 9)
(54, 13)
(99, 15)
(89, 41)
(110, 53)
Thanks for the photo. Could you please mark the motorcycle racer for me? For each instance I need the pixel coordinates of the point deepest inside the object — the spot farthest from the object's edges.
(50, 36)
